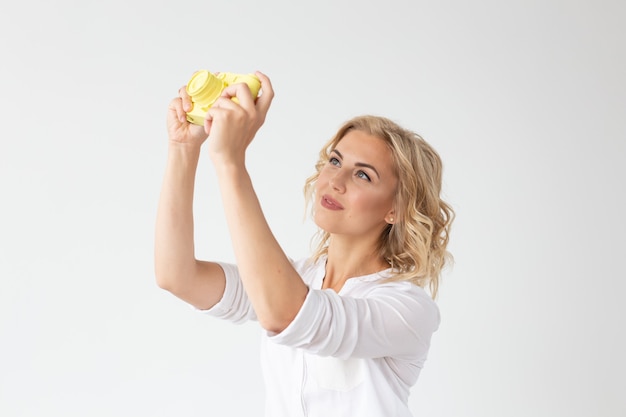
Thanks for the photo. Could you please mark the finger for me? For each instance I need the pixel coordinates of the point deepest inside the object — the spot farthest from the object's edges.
(186, 99)
(221, 110)
(208, 122)
(242, 92)
(226, 102)
(176, 106)
(264, 100)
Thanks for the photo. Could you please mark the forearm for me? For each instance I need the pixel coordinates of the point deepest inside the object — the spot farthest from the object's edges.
(174, 239)
(274, 287)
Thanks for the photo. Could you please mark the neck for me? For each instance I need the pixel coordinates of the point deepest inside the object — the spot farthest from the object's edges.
(348, 259)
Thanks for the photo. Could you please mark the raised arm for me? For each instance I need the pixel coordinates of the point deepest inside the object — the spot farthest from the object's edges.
(274, 288)
(177, 270)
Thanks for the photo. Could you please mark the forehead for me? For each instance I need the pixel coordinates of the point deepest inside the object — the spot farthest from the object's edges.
(358, 146)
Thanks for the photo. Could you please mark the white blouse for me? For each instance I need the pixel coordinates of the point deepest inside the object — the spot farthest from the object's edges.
(355, 353)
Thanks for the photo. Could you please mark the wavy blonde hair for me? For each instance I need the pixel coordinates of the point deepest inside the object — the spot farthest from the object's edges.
(415, 245)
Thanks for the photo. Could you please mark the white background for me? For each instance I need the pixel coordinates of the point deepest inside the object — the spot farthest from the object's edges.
(524, 100)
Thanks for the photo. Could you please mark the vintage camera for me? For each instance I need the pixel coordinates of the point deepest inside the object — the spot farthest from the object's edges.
(204, 88)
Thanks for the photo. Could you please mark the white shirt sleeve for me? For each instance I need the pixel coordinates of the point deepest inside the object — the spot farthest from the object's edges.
(234, 305)
(394, 319)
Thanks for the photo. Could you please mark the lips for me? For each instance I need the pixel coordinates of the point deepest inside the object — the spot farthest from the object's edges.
(330, 203)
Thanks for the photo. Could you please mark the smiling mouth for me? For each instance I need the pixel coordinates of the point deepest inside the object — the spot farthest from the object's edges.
(330, 203)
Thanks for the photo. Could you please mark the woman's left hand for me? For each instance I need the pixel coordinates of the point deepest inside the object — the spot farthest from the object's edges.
(231, 126)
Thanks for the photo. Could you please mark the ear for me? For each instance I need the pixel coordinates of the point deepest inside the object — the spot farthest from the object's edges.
(390, 218)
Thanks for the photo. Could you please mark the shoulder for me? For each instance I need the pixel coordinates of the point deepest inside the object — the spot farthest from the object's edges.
(408, 301)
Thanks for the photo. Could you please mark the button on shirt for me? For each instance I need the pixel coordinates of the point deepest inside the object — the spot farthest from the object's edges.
(352, 353)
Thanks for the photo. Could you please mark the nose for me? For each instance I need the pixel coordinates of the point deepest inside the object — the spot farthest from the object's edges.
(338, 182)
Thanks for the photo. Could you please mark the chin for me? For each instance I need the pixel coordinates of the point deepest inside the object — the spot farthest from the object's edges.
(325, 224)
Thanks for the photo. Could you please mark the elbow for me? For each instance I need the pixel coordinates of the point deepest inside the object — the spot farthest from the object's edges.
(166, 278)
(163, 281)
(272, 327)
(275, 323)
(275, 319)
(172, 283)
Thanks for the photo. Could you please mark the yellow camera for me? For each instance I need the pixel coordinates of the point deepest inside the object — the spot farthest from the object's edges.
(204, 88)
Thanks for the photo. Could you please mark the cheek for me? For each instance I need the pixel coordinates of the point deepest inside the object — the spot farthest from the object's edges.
(373, 203)
(322, 179)
(318, 185)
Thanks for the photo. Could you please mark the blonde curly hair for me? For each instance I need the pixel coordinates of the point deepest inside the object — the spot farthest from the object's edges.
(415, 245)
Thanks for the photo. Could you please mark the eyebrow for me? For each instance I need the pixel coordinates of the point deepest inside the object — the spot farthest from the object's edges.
(358, 164)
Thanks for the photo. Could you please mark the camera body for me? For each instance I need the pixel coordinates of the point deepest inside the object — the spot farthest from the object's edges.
(204, 88)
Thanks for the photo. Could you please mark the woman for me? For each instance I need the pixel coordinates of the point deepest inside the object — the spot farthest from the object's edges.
(348, 330)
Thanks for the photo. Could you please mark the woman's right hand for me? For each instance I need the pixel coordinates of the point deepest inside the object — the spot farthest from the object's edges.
(178, 128)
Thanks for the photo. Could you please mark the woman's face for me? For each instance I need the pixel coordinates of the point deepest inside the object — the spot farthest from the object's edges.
(355, 189)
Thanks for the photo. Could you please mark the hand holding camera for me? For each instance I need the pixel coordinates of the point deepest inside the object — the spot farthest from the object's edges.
(204, 88)
(229, 108)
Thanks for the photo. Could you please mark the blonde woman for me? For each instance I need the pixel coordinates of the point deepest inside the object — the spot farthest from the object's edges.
(347, 330)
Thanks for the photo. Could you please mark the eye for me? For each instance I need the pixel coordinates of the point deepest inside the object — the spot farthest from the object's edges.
(363, 175)
(334, 161)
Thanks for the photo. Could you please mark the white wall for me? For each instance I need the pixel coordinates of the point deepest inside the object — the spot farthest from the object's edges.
(525, 101)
